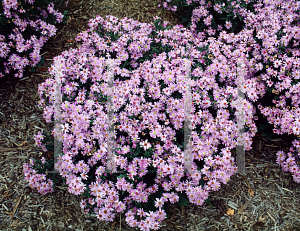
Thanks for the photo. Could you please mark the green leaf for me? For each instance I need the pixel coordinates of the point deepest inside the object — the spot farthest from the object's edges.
(167, 209)
(208, 202)
(49, 147)
(188, 25)
(122, 175)
(85, 194)
(186, 18)
(183, 200)
(42, 60)
(263, 127)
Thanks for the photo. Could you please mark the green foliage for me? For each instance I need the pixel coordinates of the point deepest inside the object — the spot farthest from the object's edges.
(266, 129)
(183, 199)
(208, 202)
(48, 141)
(65, 17)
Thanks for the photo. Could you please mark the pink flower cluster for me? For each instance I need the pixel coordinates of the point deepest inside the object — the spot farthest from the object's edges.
(37, 181)
(38, 138)
(14, 47)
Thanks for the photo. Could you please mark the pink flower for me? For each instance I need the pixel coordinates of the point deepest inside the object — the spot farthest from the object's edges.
(145, 144)
(126, 149)
(82, 204)
(173, 197)
(43, 160)
(228, 25)
(207, 20)
(158, 203)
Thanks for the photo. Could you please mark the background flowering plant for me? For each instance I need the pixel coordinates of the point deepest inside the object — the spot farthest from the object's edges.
(25, 26)
(149, 66)
(211, 17)
(272, 42)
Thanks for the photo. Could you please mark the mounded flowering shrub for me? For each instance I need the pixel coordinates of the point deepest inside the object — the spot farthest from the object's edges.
(272, 42)
(25, 27)
(150, 78)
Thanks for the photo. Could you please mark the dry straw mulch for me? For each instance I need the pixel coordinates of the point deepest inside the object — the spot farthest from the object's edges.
(266, 198)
